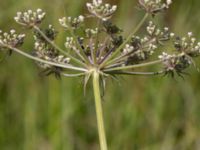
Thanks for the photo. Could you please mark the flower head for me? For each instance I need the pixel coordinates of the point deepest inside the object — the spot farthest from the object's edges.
(187, 45)
(11, 39)
(103, 11)
(154, 6)
(30, 18)
(71, 22)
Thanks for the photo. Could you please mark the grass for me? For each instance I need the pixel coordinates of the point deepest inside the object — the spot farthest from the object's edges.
(42, 113)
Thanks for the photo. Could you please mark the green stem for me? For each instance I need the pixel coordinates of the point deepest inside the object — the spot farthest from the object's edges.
(136, 73)
(134, 66)
(45, 61)
(73, 75)
(99, 111)
(125, 42)
(140, 65)
(96, 42)
(81, 54)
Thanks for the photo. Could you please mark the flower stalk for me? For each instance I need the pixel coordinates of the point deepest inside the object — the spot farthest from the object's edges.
(45, 61)
(99, 110)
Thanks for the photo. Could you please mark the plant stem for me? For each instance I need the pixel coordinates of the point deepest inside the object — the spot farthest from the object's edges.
(45, 61)
(81, 52)
(134, 66)
(99, 111)
(96, 42)
(73, 75)
(136, 73)
(139, 65)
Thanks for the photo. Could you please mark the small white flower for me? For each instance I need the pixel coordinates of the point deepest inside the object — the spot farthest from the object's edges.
(172, 35)
(166, 29)
(128, 48)
(12, 31)
(190, 34)
(165, 56)
(169, 2)
(193, 40)
(81, 18)
(39, 10)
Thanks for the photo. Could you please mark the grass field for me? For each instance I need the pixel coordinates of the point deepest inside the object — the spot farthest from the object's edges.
(141, 113)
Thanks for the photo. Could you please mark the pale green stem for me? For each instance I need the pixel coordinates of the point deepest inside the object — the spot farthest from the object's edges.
(82, 54)
(134, 66)
(58, 48)
(136, 73)
(140, 65)
(46, 62)
(91, 50)
(99, 111)
(73, 75)
(125, 42)
(96, 42)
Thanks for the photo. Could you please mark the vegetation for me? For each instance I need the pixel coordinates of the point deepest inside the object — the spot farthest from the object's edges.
(55, 125)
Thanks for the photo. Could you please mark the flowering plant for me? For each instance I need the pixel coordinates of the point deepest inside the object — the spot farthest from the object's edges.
(103, 51)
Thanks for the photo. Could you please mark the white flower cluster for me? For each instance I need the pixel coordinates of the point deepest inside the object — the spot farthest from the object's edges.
(128, 49)
(151, 48)
(152, 30)
(101, 10)
(148, 44)
(62, 59)
(164, 56)
(70, 43)
(140, 49)
(154, 6)
(188, 42)
(30, 18)
(196, 47)
(169, 61)
(39, 46)
(72, 22)
(91, 32)
(176, 63)
(42, 52)
(11, 39)
(188, 45)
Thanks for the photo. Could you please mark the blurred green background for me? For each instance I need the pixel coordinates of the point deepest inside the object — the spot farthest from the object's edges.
(141, 113)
